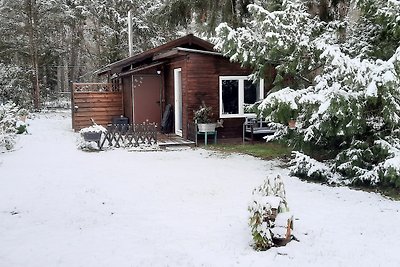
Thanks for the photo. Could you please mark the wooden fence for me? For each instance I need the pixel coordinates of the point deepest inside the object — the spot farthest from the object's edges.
(100, 101)
(129, 135)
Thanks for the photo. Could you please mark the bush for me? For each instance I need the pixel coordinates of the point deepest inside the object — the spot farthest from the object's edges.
(269, 201)
(307, 168)
(15, 85)
(10, 125)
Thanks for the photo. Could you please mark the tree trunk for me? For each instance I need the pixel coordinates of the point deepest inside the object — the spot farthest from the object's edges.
(31, 11)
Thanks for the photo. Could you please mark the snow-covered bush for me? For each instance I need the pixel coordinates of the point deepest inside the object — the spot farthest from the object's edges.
(15, 85)
(306, 167)
(370, 164)
(10, 125)
(269, 204)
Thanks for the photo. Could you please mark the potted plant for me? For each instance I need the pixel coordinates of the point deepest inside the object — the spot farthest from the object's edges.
(292, 119)
(292, 124)
(203, 119)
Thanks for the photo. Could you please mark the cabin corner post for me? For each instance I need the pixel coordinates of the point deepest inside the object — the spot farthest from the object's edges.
(73, 106)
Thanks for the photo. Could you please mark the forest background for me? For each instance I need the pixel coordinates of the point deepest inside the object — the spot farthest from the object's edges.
(342, 58)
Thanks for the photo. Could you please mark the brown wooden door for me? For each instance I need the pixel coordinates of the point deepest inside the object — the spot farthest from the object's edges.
(127, 97)
(147, 95)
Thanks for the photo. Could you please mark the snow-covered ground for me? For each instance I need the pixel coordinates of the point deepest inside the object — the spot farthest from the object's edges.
(60, 206)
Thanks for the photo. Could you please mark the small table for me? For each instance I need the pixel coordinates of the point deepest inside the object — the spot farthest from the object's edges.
(206, 134)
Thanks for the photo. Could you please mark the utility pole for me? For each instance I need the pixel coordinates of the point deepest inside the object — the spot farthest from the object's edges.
(130, 41)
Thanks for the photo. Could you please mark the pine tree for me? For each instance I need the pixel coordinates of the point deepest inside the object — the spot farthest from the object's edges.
(351, 106)
(279, 34)
(203, 16)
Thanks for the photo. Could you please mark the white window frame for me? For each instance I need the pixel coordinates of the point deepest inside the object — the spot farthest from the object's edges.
(241, 80)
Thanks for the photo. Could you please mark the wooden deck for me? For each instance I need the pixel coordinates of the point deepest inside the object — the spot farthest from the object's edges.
(167, 140)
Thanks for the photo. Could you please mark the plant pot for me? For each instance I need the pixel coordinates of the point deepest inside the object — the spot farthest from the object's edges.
(292, 124)
(92, 136)
(206, 127)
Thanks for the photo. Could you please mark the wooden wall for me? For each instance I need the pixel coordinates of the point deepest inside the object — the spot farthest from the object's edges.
(200, 82)
(101, 106)
(203, 85)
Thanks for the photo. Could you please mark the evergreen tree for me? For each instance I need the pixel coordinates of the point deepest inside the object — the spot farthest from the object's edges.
(279, 34)
(351, 106)
(202, 16)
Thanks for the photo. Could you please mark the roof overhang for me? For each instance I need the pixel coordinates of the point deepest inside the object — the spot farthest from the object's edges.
(183, 51)
(149, 66)
(102, 71)
(151, 54)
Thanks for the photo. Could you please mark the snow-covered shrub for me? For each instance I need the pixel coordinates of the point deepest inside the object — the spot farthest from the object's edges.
(21, 127)
(15, 85)
(268, 204)
(90, 137)
(370, 165)
(391, 175)
(10, 125)
(306, 167)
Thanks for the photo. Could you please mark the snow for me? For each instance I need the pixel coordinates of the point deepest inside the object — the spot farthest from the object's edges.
(372, 90)
(93, 128)
(60, 206)
(285, 95)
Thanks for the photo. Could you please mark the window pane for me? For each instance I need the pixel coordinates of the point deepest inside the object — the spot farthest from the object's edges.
(251, 92)
(230, 96)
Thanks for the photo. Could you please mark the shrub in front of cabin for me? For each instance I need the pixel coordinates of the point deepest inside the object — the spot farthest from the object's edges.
(270, 221)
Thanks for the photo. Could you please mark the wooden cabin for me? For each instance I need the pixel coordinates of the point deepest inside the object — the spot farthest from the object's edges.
(184, 73)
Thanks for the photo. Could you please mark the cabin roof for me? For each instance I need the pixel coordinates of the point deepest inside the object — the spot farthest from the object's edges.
(188, 43)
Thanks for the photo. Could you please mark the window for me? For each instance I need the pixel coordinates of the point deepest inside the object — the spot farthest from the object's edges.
(237, 91)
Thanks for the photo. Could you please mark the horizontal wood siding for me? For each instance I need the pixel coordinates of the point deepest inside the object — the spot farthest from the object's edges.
(203, 85)
(101, 106)
(200, 82)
